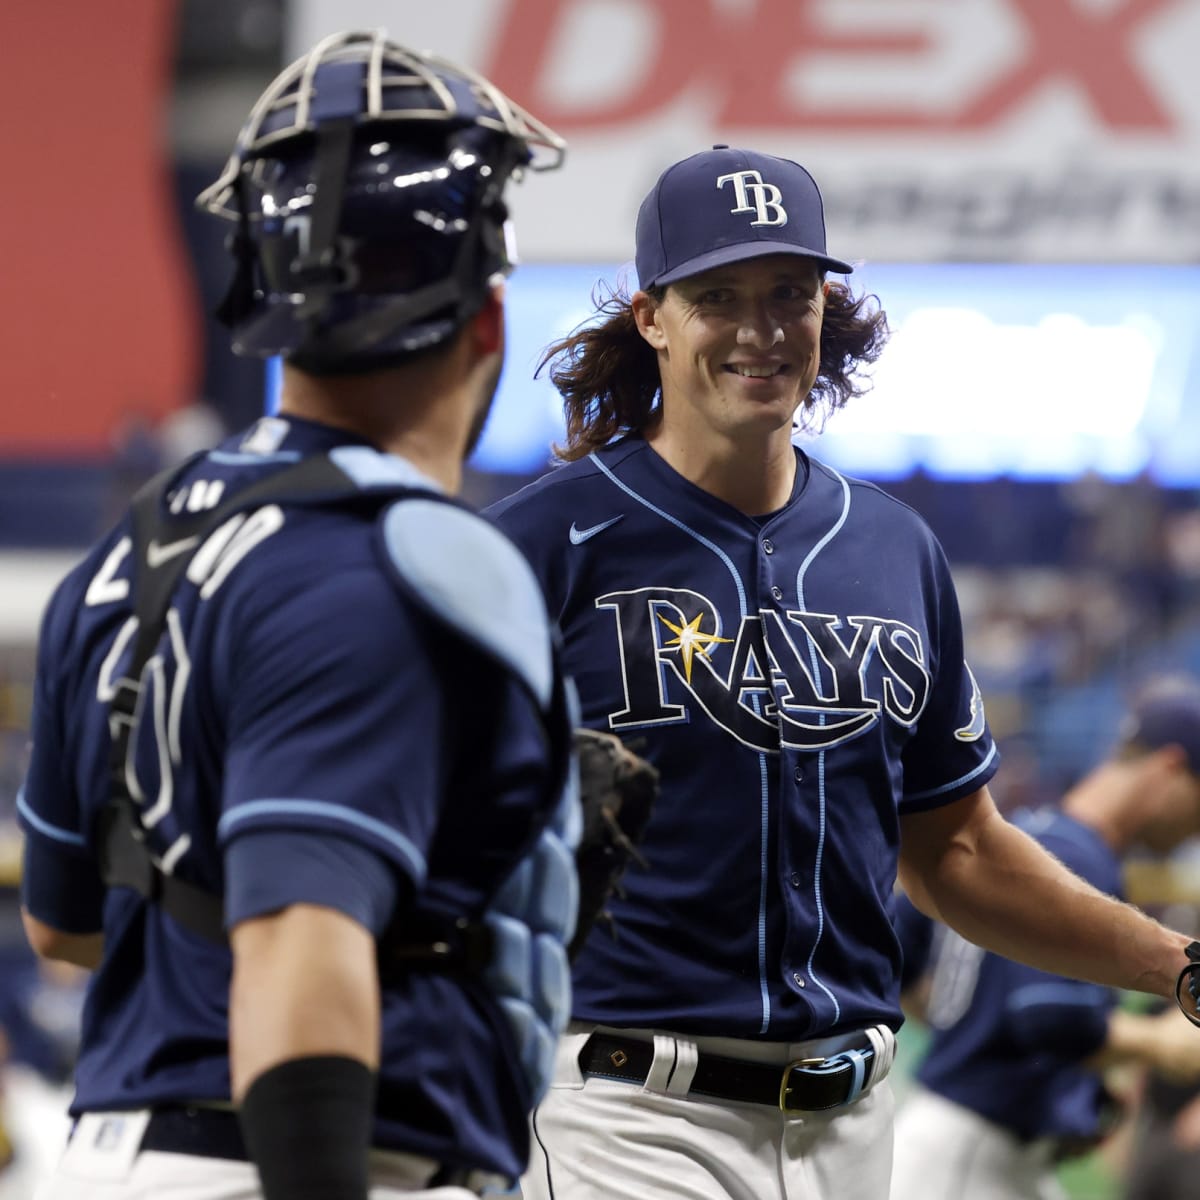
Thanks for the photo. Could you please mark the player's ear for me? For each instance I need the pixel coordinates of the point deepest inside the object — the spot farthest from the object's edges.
(645, 316)
(485, 330)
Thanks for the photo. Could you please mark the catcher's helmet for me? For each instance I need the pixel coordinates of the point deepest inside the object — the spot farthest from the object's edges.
(367, 186)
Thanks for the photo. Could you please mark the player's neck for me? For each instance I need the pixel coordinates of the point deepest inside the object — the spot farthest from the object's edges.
(1107, 801)
(420, 421)
(755, 476)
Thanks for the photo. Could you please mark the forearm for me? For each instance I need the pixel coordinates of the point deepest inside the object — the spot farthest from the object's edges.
(999, 888)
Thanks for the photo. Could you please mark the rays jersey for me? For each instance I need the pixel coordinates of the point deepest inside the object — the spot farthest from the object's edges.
(1007, 1039)
(798, 679)
(310, 718)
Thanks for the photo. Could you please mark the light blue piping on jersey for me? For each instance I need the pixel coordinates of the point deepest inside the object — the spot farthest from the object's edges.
(1057, 994)
(946, 787)
(55, 832)
(821, 798)
(666, 516)
(764, 992)
(336, 812)
(234, 458)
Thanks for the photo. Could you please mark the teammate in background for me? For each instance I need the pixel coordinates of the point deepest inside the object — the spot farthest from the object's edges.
(1011, 1084)
(786, 643)
(334, 700)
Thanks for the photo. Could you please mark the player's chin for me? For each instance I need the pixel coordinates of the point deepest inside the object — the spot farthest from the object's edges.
(767, 406)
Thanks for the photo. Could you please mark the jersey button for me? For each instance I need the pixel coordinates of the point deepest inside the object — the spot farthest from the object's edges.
(777, 593)
(798, 775)
(794, 879)
(768, 546)
(797, 980)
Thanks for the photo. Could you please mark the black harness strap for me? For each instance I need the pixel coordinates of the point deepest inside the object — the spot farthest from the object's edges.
(125, 859)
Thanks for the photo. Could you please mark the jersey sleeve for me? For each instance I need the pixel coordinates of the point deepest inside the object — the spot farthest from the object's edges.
(330, 871)
(952, 753)
(60, 881)
(525, 521)
(1063, 1018)
(335, 720)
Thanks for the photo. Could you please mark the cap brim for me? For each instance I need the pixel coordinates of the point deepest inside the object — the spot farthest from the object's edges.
(724, 255)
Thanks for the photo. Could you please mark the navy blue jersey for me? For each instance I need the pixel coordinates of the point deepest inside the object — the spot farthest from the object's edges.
(297, 689)
(798, 679)
(1007, 1040)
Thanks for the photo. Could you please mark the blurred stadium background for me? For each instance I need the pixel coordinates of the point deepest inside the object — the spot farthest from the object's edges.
(1019, 181)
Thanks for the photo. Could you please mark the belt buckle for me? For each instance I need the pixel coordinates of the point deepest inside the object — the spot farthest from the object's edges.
(784, 1085)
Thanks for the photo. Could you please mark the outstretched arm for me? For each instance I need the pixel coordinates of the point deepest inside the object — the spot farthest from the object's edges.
(968, 866)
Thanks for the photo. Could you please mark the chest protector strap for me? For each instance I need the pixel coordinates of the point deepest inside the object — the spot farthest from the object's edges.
(125, 859)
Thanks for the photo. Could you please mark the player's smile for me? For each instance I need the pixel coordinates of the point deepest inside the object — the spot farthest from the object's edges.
(756, 370)
(757, 373)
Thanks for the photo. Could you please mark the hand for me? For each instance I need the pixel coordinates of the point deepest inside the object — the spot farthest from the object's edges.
(1175, 1048)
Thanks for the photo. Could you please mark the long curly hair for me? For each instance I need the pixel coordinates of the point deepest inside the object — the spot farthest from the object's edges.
(607, 373)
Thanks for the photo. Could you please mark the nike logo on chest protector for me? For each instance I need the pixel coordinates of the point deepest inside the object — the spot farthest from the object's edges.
(579, 536)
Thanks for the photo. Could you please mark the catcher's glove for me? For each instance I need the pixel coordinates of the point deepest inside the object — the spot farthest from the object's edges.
(617, 790)
(1187, 987)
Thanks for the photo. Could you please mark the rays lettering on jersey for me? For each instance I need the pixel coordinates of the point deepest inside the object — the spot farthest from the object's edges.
(801, 679)
(155, 749)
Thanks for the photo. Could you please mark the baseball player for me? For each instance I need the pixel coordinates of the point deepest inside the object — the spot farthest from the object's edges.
(300, 788)
(1011, 1082)
(786, 644)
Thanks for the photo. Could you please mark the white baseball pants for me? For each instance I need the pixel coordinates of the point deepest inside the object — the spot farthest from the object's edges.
(600, 1139)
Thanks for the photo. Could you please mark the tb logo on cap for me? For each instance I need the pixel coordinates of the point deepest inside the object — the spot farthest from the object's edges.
(767, 198)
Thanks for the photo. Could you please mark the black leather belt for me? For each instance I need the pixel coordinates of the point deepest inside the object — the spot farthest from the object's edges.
(804, 1085)
(204, 1132)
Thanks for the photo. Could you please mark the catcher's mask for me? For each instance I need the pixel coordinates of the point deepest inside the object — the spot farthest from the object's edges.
(367, 190)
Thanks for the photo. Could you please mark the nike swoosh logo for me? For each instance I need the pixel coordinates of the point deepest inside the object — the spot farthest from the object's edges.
(579, 536)
(157, 554)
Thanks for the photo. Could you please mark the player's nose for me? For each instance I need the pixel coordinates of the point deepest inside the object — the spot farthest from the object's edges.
(758, 326)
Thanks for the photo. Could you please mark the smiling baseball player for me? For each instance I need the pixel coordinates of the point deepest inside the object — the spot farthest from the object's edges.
(786, 644)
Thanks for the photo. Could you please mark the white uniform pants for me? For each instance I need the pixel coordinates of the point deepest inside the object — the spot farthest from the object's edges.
(947, 1152)
(115, 1170)
(600, 1139)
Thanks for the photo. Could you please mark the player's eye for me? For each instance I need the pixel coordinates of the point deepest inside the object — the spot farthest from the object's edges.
(715, 296)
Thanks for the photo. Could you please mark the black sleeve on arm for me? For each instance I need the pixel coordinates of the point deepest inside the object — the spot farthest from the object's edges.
(307, 1124)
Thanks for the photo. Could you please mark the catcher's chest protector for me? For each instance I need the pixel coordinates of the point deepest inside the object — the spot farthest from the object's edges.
(447, 558)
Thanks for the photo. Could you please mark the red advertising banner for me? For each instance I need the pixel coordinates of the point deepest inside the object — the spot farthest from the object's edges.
(97, 311)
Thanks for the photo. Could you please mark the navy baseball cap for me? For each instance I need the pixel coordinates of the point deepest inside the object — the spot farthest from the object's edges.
(725, 206)
(1167, 713)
